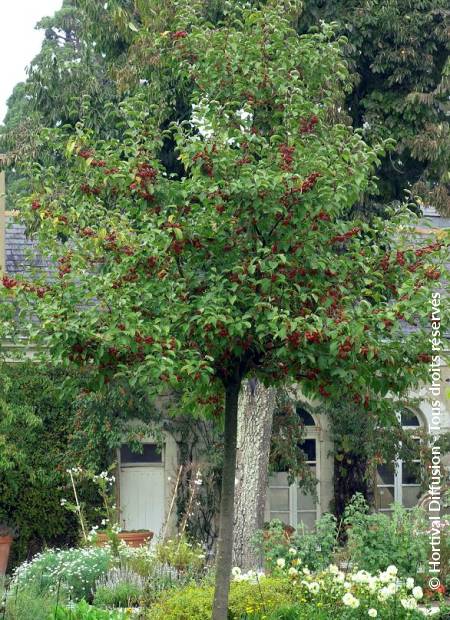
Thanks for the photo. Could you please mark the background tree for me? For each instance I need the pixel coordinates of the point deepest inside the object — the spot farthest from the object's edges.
(399, 52)
(244, 266)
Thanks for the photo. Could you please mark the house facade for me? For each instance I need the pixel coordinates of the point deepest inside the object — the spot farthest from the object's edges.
(146, 480)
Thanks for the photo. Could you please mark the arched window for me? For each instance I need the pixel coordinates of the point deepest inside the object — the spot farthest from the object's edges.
(289, 503)
(399, 481)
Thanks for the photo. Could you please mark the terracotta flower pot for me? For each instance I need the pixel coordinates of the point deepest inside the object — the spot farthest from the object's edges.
(132, 539)
(5, 546)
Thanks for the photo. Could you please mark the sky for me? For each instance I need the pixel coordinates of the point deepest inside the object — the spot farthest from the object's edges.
(19, 41)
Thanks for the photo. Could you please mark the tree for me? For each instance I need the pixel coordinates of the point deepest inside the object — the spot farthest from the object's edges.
(399, 52)
(256, 407)
(244, 266)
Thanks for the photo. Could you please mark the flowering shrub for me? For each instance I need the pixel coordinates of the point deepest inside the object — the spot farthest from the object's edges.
(376, 540)
(73, 571)
(120, 587)
(293, 592)
(314, 548)
(180, 554)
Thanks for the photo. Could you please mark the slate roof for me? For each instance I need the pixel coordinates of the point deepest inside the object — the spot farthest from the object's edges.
(22, 256)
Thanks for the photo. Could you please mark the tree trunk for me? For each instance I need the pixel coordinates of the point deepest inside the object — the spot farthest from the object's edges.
(349, 478)
(255, 416)
(225, 541)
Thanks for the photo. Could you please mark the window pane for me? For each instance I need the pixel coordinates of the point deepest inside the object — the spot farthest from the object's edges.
(409, 418)
(309, 448)
(411, 473)
(308, 519)
(278, 479)
(281, 516)
(385, 473)
(150, 454)
(384, 497)
(279, 499)
(305, 417)
(410, 496)
(305, 501)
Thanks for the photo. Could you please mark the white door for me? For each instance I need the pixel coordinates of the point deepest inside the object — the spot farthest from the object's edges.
(142, 498)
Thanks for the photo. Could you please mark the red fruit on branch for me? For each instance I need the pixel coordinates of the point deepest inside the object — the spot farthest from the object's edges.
(179, 34)
(287, 156)
(121, 326)
(432, 274)
(87, 232)
(306, 126)
(344, 237)
(35, 205)
(313, 336)
(9, 283)
(324, 392)
(85, 153)
(424, 357)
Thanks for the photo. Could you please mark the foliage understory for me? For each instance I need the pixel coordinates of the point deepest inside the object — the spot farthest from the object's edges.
(381, 570)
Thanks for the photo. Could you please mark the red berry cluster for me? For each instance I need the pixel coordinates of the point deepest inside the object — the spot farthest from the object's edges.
(287, 155)
(98, 163)
(348, 235)
(309, 182)
(324, 392)
(9, 282)
(143, 339)
(87, 232)
(424, 357)
(207, 166)
(88, 190)
(432, 274)
(322, 217)
(306, 126)
(35, 205)
(64, 265)
(179, 34)
(345, 348)
(313, 336)
(428, 249)
(85, 153)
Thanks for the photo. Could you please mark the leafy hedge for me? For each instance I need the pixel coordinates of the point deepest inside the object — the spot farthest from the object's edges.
(38, 442)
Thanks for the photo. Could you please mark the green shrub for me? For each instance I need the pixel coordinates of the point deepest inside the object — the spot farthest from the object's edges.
(246, 597)
(376, 540)
(314, 548)
(181, 554)
(73, 571)
(29, 604)
(83, 611)
(120, 587)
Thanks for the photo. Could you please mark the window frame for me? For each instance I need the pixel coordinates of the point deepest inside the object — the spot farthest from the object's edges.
(398, 484)
(311, 432)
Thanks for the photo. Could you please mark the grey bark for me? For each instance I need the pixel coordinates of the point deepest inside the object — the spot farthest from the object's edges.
(255, 416)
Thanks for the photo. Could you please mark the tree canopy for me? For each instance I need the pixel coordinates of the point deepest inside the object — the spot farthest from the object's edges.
(246, 260)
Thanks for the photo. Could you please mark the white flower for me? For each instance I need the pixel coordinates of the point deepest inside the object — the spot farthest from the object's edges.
(292, 571)
(392, 570)
(391, 589)
(383, 595)
(281, 562)
(372, 612)
(314, 587)
(417, 593)
(333, 569)
(409, 583)
(63, 502)
(236, 571)
(409, 603)
(292, 551)
(350, 601)
(347, 585)
(306, 571)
